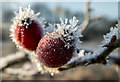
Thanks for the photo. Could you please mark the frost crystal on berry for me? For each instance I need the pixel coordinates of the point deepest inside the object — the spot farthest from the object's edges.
(69, 31)
(25, 13)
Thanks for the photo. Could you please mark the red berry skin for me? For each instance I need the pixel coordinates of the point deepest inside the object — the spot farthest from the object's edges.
(51, 51)
(28, 38)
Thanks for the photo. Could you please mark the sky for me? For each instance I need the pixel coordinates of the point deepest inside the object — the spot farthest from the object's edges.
(108, 9)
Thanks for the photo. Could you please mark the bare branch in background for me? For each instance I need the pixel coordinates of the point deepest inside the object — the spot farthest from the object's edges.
(87, 19)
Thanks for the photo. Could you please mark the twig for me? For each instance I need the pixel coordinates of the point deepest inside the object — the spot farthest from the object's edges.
(99, 59)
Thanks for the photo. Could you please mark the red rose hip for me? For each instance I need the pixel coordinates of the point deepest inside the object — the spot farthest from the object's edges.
(57, 48)
(28, 38)
(52, 52)
(26, 30)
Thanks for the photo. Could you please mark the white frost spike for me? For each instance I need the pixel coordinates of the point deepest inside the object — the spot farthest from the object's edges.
(62, 23)
(73, 21)
(69, 30)
(23, 14)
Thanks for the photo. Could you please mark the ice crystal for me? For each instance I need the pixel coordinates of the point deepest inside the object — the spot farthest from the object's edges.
(24, 14)
(68, 29)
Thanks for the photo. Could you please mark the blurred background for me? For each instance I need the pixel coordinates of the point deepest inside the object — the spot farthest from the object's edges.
(52, 11)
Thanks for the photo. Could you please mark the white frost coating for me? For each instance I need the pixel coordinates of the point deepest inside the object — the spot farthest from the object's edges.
(23, 14)
(90, 55)
(107, 39)
(81, 56)
(77, 56)
(69, 30)
(108, 36)
(41, 68)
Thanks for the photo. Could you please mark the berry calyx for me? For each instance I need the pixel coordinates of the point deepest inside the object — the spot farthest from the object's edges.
(26, 31)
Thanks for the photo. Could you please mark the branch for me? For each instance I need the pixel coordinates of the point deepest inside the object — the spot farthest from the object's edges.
(87, 19)
(101, 58)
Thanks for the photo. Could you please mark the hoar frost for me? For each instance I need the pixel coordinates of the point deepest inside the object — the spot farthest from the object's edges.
(88, 56)
(24, 17)
(108, 36)
(68, 29)
(23, 14)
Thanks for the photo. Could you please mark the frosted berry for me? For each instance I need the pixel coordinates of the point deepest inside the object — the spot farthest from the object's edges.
(52, 52)
(26, 31)
(28, 37)
(57, 48)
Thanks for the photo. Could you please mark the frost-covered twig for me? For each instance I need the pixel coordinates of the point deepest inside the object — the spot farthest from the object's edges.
(112, 41)
(99, 59)
(12, 59)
